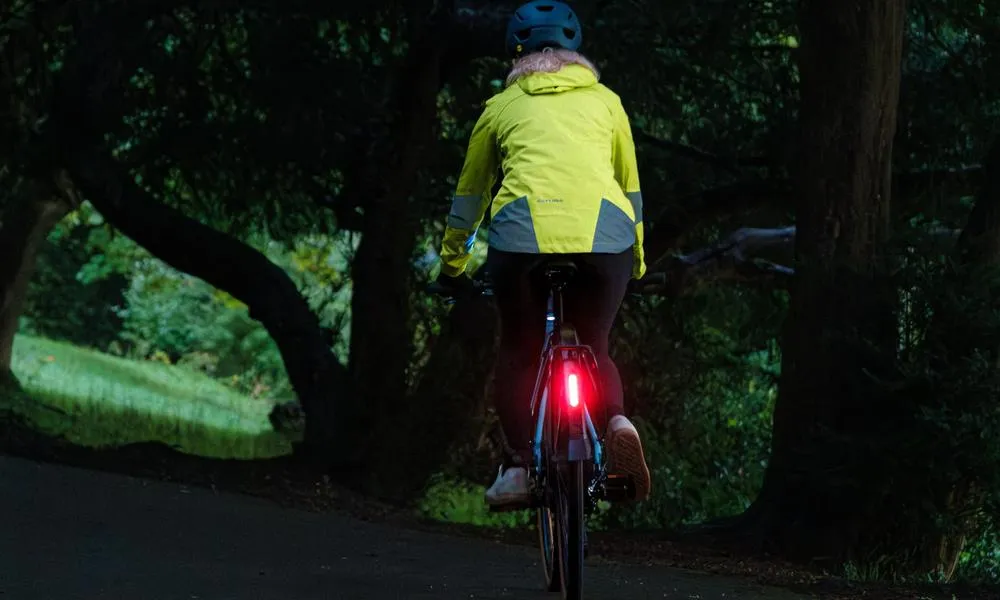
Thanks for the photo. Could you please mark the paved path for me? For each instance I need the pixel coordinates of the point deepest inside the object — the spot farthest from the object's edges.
(72, 534)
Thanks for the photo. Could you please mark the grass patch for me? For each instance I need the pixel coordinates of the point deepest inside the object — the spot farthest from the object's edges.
(97, 400)
(455, 501)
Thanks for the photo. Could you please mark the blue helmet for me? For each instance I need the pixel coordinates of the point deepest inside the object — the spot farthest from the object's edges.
(543, 24)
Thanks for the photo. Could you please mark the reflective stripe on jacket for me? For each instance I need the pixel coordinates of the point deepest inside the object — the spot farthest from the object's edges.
(570, 180)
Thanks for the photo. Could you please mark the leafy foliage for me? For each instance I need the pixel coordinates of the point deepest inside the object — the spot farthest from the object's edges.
(704, 385)
(949, 382)
(77, 287)
(97, 288)
(271, 125)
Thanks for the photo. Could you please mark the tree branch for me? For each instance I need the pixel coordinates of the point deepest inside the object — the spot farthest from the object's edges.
(320, 381)
(732, 259)
(668, 227)
(733, 164)
(744, 256)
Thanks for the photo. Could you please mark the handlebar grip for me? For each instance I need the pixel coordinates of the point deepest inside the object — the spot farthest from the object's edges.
(652, 283)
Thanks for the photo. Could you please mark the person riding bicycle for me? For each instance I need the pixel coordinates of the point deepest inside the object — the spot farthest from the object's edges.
(570, 188)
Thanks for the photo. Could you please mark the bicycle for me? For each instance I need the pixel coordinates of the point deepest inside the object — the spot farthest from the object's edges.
(567, 475)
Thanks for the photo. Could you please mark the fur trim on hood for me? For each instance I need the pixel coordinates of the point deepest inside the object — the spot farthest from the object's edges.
(549, 60)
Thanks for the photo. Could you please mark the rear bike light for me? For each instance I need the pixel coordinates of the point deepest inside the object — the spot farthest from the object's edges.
(572, 383)
(573, 389)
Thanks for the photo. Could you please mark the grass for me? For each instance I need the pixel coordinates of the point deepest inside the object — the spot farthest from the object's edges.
(461, 502)
(454, 501)
(98, 400)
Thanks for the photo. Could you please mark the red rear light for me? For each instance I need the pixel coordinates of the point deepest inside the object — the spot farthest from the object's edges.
(574, 379)
(573, 389)
(572, 383)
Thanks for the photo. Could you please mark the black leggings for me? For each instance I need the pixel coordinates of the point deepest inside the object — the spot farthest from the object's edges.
(590, 302)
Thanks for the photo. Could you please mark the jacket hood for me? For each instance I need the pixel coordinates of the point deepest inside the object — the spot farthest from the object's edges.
(569, 77)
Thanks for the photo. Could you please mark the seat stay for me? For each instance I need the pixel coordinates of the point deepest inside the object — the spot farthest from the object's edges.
(541, 407)
(541, 378)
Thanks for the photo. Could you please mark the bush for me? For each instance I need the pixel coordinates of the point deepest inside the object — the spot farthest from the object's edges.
(947, 455)
(97, 288)
(73, 292)
(196, 326)
(701, 390)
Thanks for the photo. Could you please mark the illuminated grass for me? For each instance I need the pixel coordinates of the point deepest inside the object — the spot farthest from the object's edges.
(98, 400)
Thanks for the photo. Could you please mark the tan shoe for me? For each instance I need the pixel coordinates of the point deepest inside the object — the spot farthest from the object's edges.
(625, 455)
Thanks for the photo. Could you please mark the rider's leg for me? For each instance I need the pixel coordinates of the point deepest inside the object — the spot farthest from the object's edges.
(521, 308)
(591, 304)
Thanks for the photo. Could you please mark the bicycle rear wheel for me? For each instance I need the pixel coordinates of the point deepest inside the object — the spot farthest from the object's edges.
(572, 526)
(548, 534)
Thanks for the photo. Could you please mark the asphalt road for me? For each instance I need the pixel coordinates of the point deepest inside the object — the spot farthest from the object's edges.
(73, 534)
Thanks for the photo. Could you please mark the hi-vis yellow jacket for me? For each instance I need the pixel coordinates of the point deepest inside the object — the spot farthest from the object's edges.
(570, 180)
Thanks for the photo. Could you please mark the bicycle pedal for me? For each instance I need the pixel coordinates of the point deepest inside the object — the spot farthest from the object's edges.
(619, 488)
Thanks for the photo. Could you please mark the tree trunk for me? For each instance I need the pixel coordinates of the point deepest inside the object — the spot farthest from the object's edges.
(445, 411)
(24, 225)
(318, 378)
(821, 495)
(381, 332)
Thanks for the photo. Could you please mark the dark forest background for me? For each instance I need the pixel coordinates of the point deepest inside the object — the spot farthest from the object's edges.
(217, 219)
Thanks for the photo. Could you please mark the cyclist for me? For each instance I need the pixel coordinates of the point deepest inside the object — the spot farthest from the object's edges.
(570, 187)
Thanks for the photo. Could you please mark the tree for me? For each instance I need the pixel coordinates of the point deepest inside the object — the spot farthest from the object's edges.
(382, 334)
(27, 216)
(197, 123)
(821, 496)
(89, 103)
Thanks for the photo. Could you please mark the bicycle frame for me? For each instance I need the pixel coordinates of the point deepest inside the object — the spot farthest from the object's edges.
(578, 447)
(565, 445)
(582, 442)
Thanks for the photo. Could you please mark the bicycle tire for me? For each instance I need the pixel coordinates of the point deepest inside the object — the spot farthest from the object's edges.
(573, 526)
(548, 532)
(547, 515)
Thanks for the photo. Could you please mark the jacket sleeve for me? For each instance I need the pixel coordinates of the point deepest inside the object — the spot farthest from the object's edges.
(472, 197)
(627, 174)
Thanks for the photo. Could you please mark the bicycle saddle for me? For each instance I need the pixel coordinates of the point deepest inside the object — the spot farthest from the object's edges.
(559, 266)
(558, 271)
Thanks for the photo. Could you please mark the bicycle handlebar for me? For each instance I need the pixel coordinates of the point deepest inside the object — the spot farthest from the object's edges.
(478, 286)
(652, 283)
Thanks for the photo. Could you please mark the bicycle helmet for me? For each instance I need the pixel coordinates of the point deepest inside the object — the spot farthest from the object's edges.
(542, 24)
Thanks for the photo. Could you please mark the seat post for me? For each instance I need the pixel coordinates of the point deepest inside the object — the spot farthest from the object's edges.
(558, 274)
(557, 303)
(556, 285)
